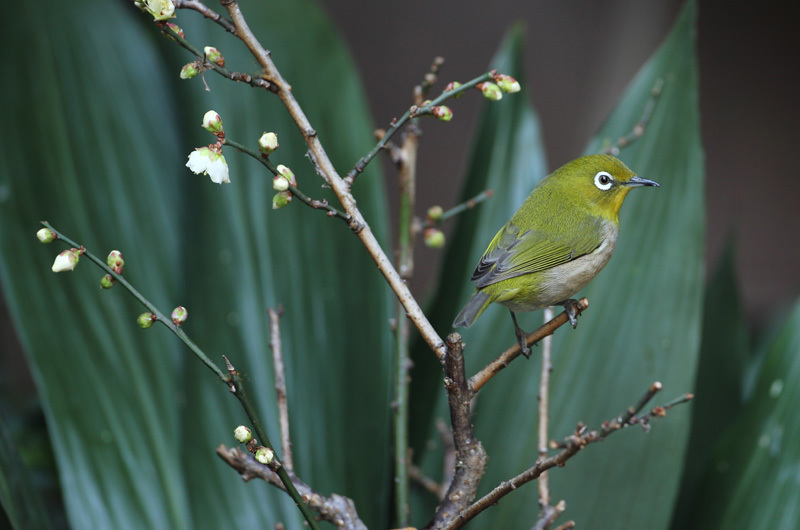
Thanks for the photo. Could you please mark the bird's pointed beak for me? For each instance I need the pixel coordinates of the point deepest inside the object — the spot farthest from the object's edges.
(635, 182)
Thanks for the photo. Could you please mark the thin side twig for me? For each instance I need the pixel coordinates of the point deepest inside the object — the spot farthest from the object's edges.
(544, 413)
(571, 446)
(276, 346)
(207, 12)
(493, 368)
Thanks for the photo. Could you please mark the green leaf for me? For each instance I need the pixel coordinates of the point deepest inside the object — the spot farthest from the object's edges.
(751, 481)
(643, 324)
(134, 418)
(720, 380)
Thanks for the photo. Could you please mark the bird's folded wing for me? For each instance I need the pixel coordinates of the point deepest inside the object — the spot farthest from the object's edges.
(512, 254)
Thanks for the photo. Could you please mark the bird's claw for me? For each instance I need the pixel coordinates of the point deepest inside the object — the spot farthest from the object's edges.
(571, 307)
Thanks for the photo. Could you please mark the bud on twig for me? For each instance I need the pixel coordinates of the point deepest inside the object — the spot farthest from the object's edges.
(490, 91)
(281, 199)
(434, 238)
(115, 261)
(442, 112)
(45, 235)
(242, 434)
(179, 315)
(67, 260)
(507, 84)
(146, 320)
(264, 455)
(212, 122)
(268, 143)
(214, 55)
(189, 70)
(435, 213)
(107, 281)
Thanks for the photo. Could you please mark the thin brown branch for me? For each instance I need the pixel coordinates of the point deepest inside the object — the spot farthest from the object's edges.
(571, 446)
(336, 509)
(490, 370)
(422, 89)
(207, 12)
(544, 414)
(638, 130)
(549, 514)
(415, 474)
(280, 384)
(470, 456)
(340, 188)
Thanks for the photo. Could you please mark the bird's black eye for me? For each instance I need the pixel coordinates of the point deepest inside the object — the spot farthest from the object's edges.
(603, 180)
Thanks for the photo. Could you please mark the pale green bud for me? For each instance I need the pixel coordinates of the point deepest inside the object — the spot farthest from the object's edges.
(189, 70)
(442, 112)
(435, 213)
(115, 261)
(280, 183)
(146, 320)
(281, 199)
(452, 85)
(214, 55)
(490, 91)
(242, 434)
(177, 29)
(179, 315)
(288, 173)
(67, 260)
(107, 281)
(265, 455)
(212, 122)
(45, 235)
(434, 238)
(268, 143)
(507, 84)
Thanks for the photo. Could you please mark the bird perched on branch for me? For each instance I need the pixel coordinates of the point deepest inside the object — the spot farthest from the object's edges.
(559, 239)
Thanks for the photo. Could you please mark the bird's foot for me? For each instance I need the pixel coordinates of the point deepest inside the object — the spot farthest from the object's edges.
(571, 307)
(522, 337)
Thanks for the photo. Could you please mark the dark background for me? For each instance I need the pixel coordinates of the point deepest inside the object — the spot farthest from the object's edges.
(580, 56)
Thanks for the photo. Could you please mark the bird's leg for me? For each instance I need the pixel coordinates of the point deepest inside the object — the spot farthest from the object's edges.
(522, 337)
(571, 307)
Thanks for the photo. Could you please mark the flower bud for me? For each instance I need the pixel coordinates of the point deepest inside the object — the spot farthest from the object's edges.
(209, 161)
(507, 84)
(146, 320)
(442, 112)
(115, 261)
(264, 455)
(214, 55)
(435, 213)
(179, 315)
(212, 122)
(67, 260)
(280, 183)
(490, 91)
(268, 143)
(434, 238)
(107, 281)
(242, 434)
(452, 85)
(281, 199)
(288, 173)
(189, 70)
(177, 29)
(45, 235)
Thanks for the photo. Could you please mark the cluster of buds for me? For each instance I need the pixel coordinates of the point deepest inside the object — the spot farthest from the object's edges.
(209, 160)
(281, 183)
(115, 263)
(265, 455)
(502, 83)
(434, 238)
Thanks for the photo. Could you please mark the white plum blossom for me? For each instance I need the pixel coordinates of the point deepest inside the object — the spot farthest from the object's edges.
(209, 161)
(67, 260)
(160, 9)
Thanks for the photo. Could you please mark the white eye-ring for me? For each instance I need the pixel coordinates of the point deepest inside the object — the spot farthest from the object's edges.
(603, 180)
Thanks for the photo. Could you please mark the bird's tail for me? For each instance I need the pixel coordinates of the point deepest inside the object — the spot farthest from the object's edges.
(479, 301)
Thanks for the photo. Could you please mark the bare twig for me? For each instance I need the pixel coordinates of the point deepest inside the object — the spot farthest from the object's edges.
(470, 456)
(336, 509)
(638, 129)
(544, 414)
(422, 89)
(207, 12)
(548, 514)
(280, 384)
(490, 370)
(571, 445)
(340, 188)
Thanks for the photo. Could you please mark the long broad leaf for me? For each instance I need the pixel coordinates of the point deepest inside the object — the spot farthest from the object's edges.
(100, 144)
(643, 324)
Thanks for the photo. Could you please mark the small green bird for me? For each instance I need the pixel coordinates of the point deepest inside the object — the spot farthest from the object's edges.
(559, 239)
